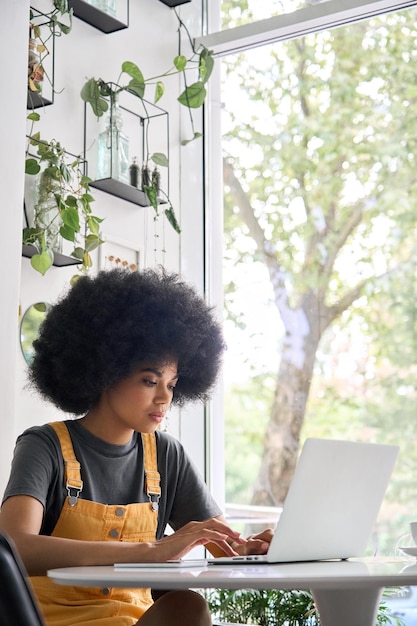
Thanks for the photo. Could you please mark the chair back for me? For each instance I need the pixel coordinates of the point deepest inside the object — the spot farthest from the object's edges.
(18, 605)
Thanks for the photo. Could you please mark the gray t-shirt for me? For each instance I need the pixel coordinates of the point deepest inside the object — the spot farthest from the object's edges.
(111, 474)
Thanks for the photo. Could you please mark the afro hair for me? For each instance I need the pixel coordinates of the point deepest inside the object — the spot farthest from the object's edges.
(108, 325)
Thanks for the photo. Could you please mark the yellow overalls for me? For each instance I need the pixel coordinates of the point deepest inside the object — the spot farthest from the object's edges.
(93, 521)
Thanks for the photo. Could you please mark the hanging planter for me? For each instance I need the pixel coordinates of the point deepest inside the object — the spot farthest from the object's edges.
(43, 30)
(62, 208)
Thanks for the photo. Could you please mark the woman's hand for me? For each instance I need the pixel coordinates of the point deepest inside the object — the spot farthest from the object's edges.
(213, 531)
(255, 544)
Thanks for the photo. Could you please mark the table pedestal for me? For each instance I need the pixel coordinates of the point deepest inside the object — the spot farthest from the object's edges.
(358, 607)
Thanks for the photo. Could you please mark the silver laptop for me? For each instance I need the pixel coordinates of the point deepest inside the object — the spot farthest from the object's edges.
(332, 504)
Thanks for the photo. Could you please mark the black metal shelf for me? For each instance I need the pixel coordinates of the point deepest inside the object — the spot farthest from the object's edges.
(60, 260)
(99, 19)
(123, 191)
(174, 3)
(36, 101)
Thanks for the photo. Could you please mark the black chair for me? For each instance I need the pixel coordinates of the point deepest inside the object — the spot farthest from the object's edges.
(18, 606)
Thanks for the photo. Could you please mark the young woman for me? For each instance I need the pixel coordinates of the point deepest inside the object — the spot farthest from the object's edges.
(116, 352)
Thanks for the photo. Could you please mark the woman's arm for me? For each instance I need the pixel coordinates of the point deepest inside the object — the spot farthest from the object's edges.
(21, 518)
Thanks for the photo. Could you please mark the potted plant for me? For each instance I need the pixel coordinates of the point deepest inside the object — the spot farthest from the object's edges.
(38, 42)
(102, 95)
(62, 207)
(276, 607)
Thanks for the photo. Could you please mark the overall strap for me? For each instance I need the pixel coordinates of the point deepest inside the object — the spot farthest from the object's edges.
(150, 463)
(72, 468)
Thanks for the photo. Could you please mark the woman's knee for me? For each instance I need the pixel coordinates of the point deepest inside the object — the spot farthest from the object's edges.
(180, 608)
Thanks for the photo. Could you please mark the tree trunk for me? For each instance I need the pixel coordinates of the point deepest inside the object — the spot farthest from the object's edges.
(282, 436)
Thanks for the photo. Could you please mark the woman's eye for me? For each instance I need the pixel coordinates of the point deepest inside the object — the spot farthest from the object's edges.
(150, 383)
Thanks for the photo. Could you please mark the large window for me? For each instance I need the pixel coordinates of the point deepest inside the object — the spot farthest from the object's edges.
(319, 150)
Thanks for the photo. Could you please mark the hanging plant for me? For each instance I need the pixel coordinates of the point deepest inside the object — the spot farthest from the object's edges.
(63, 205)
(52, 23)
(100, 94)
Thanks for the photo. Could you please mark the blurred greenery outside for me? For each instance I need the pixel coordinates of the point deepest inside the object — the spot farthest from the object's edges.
(318, 127)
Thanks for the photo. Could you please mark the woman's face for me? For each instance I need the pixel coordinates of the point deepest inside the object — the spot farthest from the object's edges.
(141, 401)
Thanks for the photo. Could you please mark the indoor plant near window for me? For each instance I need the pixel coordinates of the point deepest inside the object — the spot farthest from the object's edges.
(277, 607)
(102, 95)
(63, 205)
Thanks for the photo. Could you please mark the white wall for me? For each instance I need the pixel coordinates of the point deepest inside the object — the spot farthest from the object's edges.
(13, 34)
(150, 42)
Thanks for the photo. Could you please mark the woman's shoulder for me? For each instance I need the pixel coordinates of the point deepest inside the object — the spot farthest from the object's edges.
(169, 444)
(41, 435)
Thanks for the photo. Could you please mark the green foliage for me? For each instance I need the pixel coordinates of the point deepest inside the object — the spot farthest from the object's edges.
(99, 95)
(264, 607)
(64, 188)
(322, 143)
(276, 607)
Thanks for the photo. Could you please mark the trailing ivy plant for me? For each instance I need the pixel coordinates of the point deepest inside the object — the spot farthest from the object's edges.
(99, 94)
(64, 191)
(52, 22)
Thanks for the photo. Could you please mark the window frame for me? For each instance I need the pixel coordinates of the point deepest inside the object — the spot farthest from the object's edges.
(325, 15)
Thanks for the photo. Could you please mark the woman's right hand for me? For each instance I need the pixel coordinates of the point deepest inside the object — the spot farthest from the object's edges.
(177, 545)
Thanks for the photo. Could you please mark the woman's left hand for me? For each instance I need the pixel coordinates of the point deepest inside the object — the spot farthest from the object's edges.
(255, 544)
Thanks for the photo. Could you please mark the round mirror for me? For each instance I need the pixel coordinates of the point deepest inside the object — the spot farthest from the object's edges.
(29, 328)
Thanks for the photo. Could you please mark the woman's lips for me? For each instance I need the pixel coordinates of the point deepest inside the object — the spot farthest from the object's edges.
(156, 417)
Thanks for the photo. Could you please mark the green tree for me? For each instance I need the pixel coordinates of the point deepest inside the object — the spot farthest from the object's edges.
(320, 182)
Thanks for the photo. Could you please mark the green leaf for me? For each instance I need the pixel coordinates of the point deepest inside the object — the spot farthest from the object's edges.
(137, 88)
(87, 260)
(92, 242)
(32, 166)
(159, 159)
(71, 201)
(34, 116)
(159, 91)
(30, 235)
(195, 136)
(170, 215)
(40, 306)
(180, 62)
(152, 197)
(64, 28)
(193, 96)
(78, 253)
(67, 232)
(52, 171)
(90, 93)
(42, 262)
(206, 64)
(71, 218)
(65, 172)
(34, 139)
(133, 71)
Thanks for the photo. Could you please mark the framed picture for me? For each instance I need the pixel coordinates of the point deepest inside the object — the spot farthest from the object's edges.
(118, 253)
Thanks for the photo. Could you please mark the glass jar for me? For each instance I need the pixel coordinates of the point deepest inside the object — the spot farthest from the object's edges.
(113, 146)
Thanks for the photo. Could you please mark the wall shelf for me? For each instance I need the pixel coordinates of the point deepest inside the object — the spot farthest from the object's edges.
(35, 100)
(60, 260)
(174, 3)
(44, 59)
(99, 19)
(131, 131)
(122, 190)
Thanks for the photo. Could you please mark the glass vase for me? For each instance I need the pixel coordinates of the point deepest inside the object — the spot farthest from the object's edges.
(107, 6)
(113, 147)
(46, 217)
